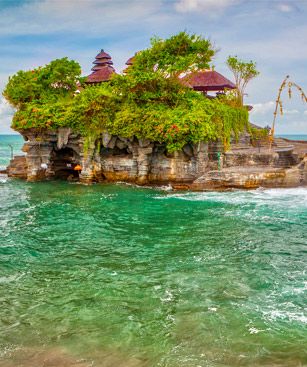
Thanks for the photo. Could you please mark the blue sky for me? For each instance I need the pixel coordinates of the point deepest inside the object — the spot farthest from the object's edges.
(272, 33)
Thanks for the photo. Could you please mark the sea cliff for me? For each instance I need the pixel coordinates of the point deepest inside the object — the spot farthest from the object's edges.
(65, 154)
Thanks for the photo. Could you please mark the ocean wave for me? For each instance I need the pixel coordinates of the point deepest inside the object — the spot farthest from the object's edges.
(11, 278)
(292, 196)
(283, 315)
(150, 187)
(3, 178)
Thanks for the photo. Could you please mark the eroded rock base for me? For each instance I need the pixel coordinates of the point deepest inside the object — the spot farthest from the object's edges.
(252, 178)
(65, 155)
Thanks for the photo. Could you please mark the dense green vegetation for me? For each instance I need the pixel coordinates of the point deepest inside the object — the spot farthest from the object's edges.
(43, 85)
(147, 102)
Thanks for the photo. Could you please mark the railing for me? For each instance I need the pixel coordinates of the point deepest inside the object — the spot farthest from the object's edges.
(12, 150)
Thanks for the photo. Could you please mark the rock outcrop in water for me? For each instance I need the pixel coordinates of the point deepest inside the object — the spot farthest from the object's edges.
(64, 154)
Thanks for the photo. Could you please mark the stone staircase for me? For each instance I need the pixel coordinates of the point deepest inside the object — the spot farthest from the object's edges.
(286, 158)
(281, 144)
(278, 144)
(239, 146)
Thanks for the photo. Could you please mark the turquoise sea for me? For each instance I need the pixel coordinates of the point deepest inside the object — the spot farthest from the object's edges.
(123, 276)
(293, 136)
(9, 144)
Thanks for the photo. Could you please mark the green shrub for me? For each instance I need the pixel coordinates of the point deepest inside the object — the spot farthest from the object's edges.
(148, 102)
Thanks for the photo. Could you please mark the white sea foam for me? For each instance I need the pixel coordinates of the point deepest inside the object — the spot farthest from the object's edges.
(291, 196)
(3, 178)
(212, 309)
(275, 315)
(295, 290)
(161, 188)
(168, 296)
(253, 330)
(108, 196)
(11, 278)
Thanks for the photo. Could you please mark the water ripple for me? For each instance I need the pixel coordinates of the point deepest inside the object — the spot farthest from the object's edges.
(163, 278)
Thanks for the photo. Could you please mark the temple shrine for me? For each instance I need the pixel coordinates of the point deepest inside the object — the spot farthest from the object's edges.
(102, 69)
(203, 80)
(207, 81)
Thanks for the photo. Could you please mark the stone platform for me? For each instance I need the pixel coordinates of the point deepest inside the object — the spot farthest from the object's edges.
(246, 177)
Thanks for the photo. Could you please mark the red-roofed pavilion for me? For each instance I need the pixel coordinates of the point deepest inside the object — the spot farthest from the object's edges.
(102, 69)
(207, 81)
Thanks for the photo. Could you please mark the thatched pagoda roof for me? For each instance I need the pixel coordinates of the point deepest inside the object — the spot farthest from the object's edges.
(103, 62)
(102, 75)
(102, 69)
(103, 55)
(97, 67)
(207, 80)
(99, 64)
(130, 61)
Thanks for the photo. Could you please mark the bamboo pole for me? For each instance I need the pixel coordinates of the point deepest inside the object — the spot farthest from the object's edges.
(278, 105)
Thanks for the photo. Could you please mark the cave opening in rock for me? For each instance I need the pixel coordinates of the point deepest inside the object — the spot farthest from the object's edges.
(63, 164)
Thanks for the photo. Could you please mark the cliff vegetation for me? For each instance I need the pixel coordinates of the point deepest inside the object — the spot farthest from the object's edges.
(147, 102)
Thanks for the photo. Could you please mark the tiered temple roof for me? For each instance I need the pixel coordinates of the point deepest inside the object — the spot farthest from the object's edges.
(102, 69)
(130, 62)
(203, 80)
(207, 80)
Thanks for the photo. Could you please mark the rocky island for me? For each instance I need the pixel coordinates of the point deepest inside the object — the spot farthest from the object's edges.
(157, 123)
(55, 154)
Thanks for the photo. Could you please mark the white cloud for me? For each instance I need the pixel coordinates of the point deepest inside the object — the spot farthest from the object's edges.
(184, 6)
(291, 112)
(6, 114)
(305, 113)
(83, 16)
(285, 8)
(263, 108)
(286, 44)
(266, 110)
(5, 108)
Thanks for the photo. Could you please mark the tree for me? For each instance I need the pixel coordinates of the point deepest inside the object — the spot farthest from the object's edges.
(149, 102)
(61, 74)
(22, 88)
(178, 54)
(243, 73)
(59, 78)
(154, 74)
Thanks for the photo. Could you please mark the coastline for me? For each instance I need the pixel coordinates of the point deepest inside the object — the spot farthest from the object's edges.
(200, 167)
